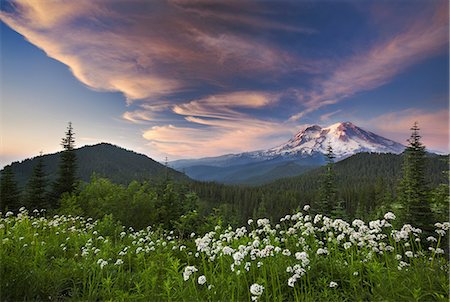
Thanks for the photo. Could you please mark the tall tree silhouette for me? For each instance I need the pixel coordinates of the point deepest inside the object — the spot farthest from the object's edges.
(36, 195)
(9, 193)
(413, 189)
(328, 191)
(66, 180)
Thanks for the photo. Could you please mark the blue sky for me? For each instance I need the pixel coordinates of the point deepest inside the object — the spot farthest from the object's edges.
(193, 78)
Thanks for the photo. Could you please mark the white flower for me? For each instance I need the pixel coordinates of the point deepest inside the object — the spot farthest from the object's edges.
(347, 245)
(409, 254)
(9, 213)
(292, 280)
(188, 271)
(401, 265)
(119, 262)
(256, 289)
(389, 216)
(306, 207)
(250, 221)
(201, 280)
(262, 222)
(333, 284)
(440, 232)
(102, 263)
(321, 251)
(439, 251)
(355, 273)
(227, 250)
(431, 238)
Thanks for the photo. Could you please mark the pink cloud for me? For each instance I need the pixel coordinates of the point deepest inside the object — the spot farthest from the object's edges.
(221, 105)
(374, 67)
(434, 127)
(152, 54)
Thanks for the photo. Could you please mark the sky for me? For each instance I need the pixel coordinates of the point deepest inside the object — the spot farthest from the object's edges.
(196, 78)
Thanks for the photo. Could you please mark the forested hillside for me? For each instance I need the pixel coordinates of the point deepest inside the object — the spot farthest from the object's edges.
(366, 183)
(106, 160)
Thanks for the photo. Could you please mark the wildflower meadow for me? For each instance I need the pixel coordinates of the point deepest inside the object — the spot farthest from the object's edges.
(302, 257)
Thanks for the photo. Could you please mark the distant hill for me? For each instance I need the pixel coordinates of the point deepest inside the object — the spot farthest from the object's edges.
(363, 169)
(106, 160)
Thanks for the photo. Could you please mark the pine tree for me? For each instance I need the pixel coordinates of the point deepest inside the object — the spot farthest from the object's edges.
(66, 181)
(413, 190)
(9, 192)
(36, 192)
(328, 191)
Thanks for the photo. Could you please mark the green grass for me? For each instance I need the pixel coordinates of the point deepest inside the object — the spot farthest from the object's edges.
(299, 259)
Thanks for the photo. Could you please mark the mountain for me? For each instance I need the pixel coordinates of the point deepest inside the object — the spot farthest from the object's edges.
(345, 138)
(106, 160)
(301, 153)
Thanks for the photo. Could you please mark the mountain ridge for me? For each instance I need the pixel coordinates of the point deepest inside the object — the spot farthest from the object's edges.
(105, 160)
(305, 150)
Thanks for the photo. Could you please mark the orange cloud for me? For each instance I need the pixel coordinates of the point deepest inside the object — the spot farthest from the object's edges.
(220, 137)
(217, 128)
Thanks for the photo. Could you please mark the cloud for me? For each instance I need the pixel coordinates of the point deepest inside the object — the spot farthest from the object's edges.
(215, 127)
(238, 12)
(376, 66)
(208, 73)
(396, 125)
(220, 137)
(326, 116)
(220, 106)
(148, 51)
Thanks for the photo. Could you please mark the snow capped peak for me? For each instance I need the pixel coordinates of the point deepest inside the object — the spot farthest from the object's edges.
(345, 138)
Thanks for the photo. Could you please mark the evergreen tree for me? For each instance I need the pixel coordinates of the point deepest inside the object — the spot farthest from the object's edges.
(9, 193)
(36, 192)
(413, 190)
(328, 191)
(66, 180)
(339, 211)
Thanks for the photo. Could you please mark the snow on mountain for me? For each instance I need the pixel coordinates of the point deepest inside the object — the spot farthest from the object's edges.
(308, 146)
(345, 138)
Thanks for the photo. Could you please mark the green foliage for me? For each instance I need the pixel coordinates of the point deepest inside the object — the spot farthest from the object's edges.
(66, 181)
(440, 201)
(137, 205)
(301, 259)
(9, 193)
(413, 189)
(36, 195)
(328, 192)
